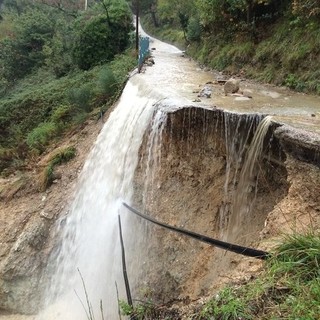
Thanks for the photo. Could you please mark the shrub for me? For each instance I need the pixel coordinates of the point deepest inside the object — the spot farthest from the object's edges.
(62, 114)
(107, 81)
(102, 37)
(81, 97)
(194, 30)
(39, 137)
(24, 52)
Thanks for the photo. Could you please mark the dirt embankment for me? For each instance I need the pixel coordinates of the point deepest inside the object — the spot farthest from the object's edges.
(192, 183)
(196, 178)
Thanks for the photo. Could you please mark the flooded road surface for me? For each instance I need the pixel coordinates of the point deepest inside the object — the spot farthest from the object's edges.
(178, 77)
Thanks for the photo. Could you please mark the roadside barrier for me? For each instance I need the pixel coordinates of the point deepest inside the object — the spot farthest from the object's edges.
(144, 51)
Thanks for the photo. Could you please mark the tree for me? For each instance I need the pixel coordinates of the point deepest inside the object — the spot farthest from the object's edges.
(102, 37)
(1, 2)
(24, 52)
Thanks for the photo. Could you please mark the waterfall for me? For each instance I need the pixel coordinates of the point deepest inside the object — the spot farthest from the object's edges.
(90, 237)
(153, 156)
(246, 188)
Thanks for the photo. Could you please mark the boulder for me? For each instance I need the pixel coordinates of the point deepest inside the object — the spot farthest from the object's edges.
(231, 86)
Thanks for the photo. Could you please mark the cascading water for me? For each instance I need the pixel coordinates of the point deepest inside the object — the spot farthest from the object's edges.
(247, 184)
(90, 238)
(153, 156)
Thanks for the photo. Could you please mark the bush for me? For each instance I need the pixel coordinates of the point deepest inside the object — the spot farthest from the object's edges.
(39, 137)
(194, 30)
(102, 37)
(24, 52)
(107, 82)
(81, 97)
(62, 114)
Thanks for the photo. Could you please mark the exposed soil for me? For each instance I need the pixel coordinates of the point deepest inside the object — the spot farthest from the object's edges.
(189, 191)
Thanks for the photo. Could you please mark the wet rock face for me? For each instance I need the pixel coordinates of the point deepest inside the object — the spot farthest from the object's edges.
(20, 271)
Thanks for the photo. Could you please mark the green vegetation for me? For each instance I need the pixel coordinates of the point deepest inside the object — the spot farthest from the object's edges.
(59, 65)
(58, 158)
(270, 40)
(147, 311)
(288, 288)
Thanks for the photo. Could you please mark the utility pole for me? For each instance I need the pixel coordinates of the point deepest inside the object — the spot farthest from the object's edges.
(137, 24)
(85, 5)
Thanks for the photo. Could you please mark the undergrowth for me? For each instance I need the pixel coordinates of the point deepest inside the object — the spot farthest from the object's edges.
(288, 56)
(40, 109)
(285, 54)
(61, 156)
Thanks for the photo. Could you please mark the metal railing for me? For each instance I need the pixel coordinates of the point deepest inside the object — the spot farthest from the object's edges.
(144, 51)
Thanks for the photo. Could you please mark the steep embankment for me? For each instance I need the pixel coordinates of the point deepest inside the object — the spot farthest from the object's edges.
(196, 185)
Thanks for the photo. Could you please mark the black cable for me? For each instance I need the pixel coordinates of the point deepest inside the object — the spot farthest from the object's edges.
(124, 270)
(250, 252)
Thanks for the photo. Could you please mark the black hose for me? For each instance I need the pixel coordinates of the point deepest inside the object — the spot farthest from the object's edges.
(124, 270)
(250, 252)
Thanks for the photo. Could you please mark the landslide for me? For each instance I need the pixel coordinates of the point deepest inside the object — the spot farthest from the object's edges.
(191, 188)
(187, 189)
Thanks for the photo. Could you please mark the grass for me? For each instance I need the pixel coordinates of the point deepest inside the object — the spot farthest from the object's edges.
(288, 54)
(289, 287)
(62, 156)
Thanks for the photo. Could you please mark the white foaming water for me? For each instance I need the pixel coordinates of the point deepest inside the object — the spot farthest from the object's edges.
(153, 157)
(90, 237)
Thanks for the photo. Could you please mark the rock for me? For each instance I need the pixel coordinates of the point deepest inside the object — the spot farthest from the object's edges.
(247, 93)
(231, 86)
(205, 92)
(20, 271)
(150, 62)
(242, 98)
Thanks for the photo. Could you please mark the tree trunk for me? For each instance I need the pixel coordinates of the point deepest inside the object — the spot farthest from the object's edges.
(153, 16)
